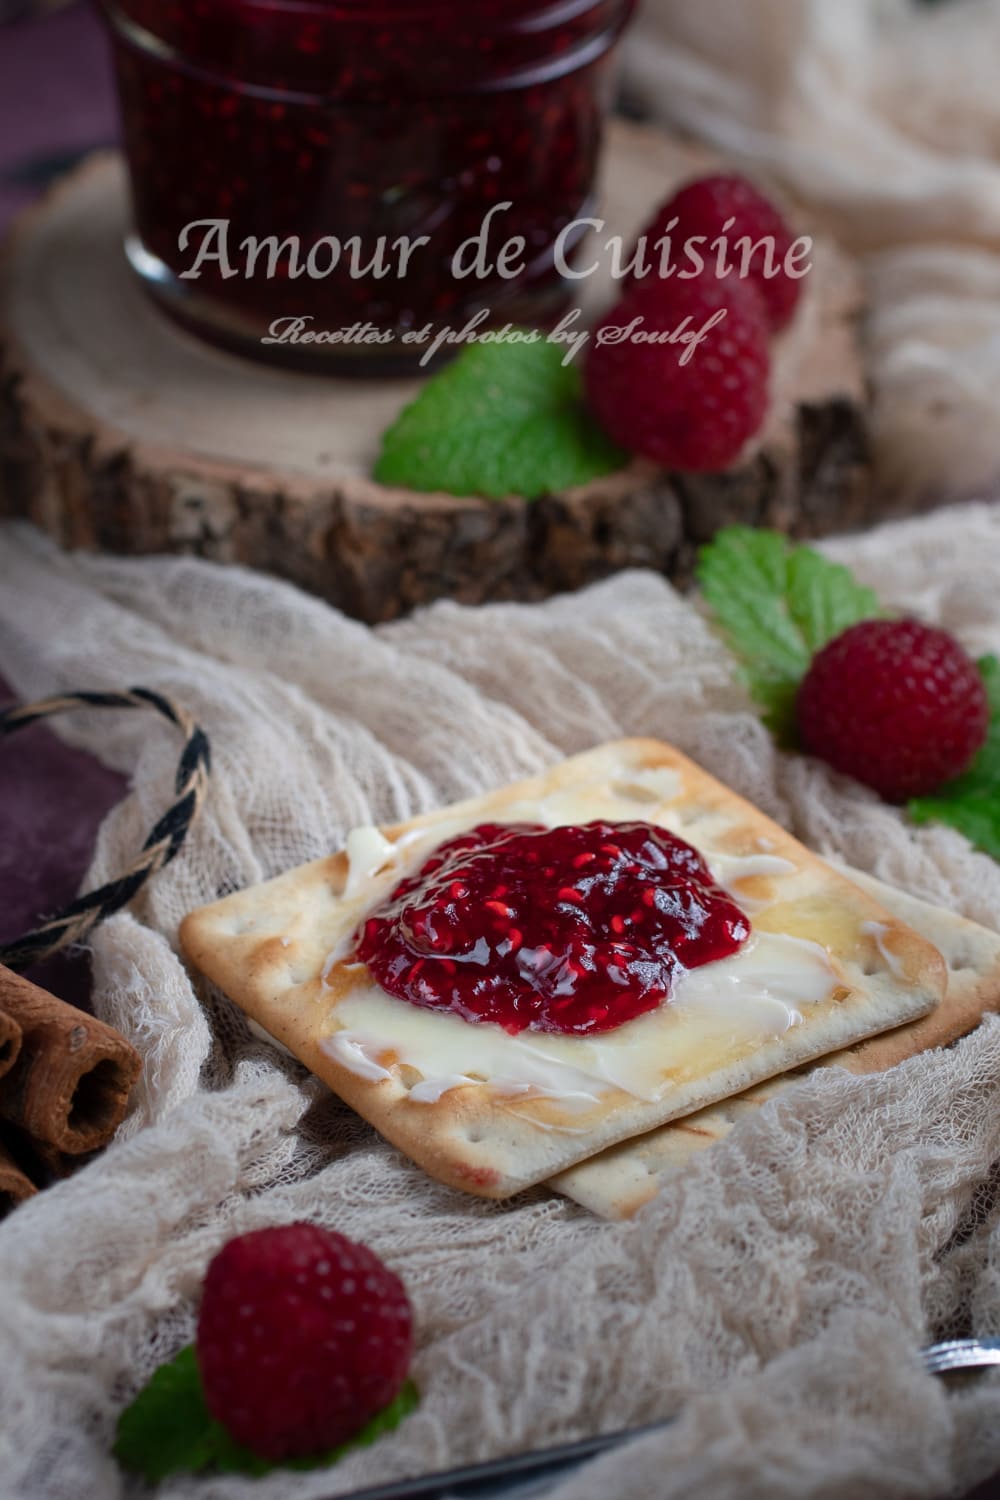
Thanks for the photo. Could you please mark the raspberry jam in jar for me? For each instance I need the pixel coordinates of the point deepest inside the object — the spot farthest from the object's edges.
(571, 929)
(322, 162)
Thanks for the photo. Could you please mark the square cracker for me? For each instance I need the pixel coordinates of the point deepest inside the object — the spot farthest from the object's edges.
(492, 1114)
(617, 1183)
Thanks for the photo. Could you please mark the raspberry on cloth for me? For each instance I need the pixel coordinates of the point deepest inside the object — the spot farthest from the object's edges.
(896, 704)
(303, 1336)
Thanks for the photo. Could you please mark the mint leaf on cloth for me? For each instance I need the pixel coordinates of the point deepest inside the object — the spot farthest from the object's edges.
(504, 419)
(971, 803)
(777, 604)
(168, 1429)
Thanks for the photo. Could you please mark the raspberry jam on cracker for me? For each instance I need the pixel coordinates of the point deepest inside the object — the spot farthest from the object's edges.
(571, 929)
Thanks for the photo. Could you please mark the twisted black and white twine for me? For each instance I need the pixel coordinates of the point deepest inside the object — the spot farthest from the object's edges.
(74, 922)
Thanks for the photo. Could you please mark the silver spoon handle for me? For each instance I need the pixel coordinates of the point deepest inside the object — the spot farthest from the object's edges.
(961, 1354)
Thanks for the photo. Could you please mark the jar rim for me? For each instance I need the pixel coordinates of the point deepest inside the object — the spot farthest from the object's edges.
(530, 27)
(533, 14)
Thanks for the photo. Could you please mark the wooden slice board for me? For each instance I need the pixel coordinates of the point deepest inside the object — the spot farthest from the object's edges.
(119, 432)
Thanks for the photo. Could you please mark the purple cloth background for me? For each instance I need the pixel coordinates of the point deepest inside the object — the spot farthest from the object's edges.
(56, 97)
(56, 100)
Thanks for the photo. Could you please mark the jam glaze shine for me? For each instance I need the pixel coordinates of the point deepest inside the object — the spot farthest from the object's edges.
(573, 929)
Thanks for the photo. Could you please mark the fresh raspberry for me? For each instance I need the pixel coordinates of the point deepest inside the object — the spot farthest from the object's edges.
(303, 1337)
(683, 409)
(704, 207)
(895, 704)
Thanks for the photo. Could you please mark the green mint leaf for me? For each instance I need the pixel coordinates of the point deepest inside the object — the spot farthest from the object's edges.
(824, 598)
(971, 803)
(504, 419)
(777, 605)
(168, 1429)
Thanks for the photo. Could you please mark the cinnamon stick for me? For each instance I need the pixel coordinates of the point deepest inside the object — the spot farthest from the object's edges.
(41, 1164)
(70, 1084)
(10, 1043)
(15, 1185)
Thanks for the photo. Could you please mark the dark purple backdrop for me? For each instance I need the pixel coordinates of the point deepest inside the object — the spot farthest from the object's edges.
(55, 101)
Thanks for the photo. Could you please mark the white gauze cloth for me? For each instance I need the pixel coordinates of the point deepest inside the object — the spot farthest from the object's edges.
(774, 1297)
(883, 116)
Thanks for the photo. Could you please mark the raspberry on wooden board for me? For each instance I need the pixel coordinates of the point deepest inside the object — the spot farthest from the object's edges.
(727, 206)
(684, 407)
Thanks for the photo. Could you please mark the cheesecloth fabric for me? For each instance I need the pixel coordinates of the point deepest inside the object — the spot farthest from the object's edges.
(774, 1296)
(883, 116)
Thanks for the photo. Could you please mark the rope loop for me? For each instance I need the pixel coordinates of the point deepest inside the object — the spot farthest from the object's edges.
(74, 922)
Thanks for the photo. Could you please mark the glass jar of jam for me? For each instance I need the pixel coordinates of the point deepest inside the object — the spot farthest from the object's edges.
(364, 171)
